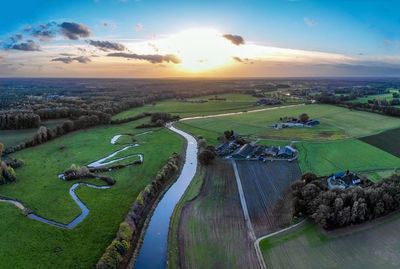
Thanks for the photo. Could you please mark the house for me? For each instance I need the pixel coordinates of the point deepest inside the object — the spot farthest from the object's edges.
(351, 179)
(312, 123)
(287, 152)
(258, 151)
(271, 151)
(243, 152)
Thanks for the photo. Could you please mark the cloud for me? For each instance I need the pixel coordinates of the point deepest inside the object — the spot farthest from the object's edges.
(67, 54)
(107, 45)
(235, 39)
(68, 60)
(392, 42)
(152, 58)
(107, 25)
(139, 27)
(310, 22)
(29, 45)
(242, 60)
(27, 29)
(72, 30)
(15, 38)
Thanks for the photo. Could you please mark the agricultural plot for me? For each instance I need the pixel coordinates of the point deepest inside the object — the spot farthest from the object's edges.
(336, 123)
(212, 230)
(338, 156)
(371, 246)
(39, 189)
(388, 141)
(233, 103)
(386, 96)
(265, 188)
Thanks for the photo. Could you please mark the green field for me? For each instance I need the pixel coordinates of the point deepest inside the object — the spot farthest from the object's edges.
(233, 103)
(29, 243)
(374, 246)
(336, 123)
(11, 138)
(387, 96)
(338, 156)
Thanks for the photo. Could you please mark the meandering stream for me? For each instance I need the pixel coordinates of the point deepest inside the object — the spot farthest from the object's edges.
(82, 206)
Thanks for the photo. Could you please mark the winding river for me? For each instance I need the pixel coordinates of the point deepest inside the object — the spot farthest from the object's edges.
(82, 206)
(153, 253)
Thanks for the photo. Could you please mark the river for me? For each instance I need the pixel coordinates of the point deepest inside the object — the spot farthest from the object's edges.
(153, 253)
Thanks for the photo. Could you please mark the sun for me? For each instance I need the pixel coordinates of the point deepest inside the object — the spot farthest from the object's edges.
(201, 49)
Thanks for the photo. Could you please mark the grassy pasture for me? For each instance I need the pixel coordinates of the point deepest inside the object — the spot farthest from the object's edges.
(353, 154)
(372, 246)
(14, 137)
(233, 103)
(39, 189)
(388, 141)
(336, 123)
(212, 230)
(387, 96)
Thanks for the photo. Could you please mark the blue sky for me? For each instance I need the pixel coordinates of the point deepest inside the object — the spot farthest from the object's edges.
(366, 30)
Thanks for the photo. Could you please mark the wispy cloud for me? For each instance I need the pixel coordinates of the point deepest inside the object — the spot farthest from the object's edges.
(68, 60)
(107, 45)
(310, 23)
(139, 27)
(152, 58)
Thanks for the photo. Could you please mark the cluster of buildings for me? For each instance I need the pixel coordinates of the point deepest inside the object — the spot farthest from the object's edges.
(249, 151)
(343, 180)
(293, 122)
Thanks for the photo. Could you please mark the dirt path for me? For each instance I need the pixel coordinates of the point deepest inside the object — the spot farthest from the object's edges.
(238, 113)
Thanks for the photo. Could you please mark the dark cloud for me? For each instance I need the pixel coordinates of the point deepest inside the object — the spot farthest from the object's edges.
(107, 45)
(15, 38)
(43, 35)
(235, 39)
(29, 45)
(68, 60)
(242, 60)
(152, 58)
(72, 30)
(67, 54)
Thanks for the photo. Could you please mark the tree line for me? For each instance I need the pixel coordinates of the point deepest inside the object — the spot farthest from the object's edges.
(332, 208)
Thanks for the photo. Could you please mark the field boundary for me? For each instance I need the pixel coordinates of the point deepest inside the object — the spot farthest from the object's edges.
(257, 242)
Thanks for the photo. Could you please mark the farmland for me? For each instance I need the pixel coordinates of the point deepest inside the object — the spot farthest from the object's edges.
(212, 230)
(39, 189)
(265, 186)
(388, 141)
(386, 96)
(336, 123)
(331, 157)
(372, 245)
(233, 103)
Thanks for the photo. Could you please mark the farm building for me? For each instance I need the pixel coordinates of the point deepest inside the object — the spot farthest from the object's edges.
(343, 180)
(226, 148)
(271, 151)
(243, 152)
(287, 152)
(312, 123)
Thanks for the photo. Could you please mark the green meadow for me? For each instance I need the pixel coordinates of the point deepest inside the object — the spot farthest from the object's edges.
(336, 123)
(39, 189)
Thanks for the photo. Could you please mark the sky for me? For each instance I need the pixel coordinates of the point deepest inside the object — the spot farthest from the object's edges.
(236, 38)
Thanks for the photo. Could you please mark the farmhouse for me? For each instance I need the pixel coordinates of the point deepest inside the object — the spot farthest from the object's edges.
(243, 152)
(286, 152)
(271, 151)
(343, 180)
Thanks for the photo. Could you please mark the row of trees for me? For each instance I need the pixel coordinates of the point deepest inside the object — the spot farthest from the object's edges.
(332, 208)
(7, 173)
(45, 134)
(20, 120)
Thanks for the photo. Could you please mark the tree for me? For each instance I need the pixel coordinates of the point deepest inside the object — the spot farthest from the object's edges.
(206, 157)
(304, 118)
